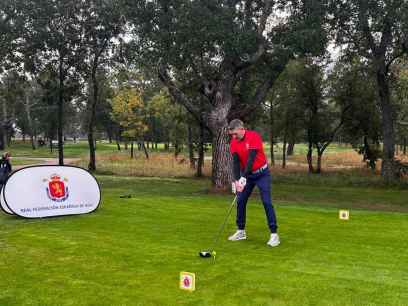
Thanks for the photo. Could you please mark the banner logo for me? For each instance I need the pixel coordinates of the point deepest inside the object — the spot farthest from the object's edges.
(57, 188)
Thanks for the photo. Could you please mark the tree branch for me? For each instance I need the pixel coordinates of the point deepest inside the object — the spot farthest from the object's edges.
(337, 128)
(363, 18)
(259, 97)
(386, 37)
(261, 47)
(177, 94)
(394, 58)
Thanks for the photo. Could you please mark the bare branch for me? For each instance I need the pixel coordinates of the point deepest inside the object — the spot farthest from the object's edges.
(338, 127)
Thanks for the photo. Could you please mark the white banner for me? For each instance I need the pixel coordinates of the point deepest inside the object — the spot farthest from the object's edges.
(3, 204)
(47, 191)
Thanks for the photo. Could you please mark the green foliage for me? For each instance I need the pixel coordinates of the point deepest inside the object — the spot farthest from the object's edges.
(353, 84)
(171, 117)
(128, 110)
(301, 102)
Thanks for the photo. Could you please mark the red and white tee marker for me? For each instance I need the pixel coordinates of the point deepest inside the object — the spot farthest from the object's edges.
(187, 281)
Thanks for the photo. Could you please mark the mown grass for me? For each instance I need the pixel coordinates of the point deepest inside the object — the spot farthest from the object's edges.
(71, 150)
(131, 251)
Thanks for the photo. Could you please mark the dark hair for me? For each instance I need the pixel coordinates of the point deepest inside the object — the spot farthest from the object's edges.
(235, 124)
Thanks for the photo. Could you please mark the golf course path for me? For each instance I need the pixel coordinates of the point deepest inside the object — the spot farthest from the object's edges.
(37, 161)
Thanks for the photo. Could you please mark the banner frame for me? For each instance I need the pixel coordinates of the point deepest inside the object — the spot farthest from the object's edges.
(38, 166)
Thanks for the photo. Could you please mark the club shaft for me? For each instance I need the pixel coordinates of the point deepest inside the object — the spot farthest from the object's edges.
(217, 237)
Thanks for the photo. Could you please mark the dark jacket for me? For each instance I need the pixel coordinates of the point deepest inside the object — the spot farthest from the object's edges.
(5, 170)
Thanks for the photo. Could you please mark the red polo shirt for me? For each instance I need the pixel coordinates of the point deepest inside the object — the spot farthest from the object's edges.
(251, 140)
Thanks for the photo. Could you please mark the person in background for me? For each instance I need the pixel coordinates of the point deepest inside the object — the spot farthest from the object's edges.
(5, 168)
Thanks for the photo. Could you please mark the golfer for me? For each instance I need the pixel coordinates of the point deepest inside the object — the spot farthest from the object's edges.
(250, 169)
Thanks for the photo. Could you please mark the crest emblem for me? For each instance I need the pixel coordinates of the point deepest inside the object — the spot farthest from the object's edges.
(57, 188)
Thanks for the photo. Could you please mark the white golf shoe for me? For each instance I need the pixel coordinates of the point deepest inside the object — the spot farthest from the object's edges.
(274, 240)
(238, 235)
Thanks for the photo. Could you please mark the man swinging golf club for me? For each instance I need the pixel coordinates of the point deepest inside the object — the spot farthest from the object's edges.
(250, 169)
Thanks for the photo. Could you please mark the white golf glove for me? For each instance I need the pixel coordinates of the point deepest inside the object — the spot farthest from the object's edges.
(242, 181)
(234, 189)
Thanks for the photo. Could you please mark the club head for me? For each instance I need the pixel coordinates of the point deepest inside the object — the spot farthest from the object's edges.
(205, 254)
(125, 196)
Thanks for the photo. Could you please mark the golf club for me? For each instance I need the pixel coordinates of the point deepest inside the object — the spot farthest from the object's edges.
(211, 252)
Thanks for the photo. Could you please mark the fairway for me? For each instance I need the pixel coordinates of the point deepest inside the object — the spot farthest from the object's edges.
(131, 251)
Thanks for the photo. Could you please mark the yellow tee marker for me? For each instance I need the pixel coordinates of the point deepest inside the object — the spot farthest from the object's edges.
(187, 281)
(344, 215)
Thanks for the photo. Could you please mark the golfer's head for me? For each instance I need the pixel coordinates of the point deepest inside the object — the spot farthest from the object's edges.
(236, 129)
(6, 155)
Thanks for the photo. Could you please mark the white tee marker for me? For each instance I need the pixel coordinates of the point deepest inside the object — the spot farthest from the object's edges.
(344, 215)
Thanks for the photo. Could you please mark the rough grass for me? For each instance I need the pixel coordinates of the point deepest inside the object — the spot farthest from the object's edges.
(131, 251)
(158, 165)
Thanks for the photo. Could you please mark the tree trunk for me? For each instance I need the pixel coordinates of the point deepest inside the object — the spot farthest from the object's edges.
(91, 122)
(221, 159)
(291, 148)
(405, 146)
(176, 148)
(2, 144)
(310, 158)
(388, 168)
(190, 147)
(126, 145)
(145, 150)
(9, 139)
(30, 121)
(271, 135)
(92, 155)
(60, 113)
(319, 161)
(3, 127)
(33, 146)
(284, 151)
(118, 144)
(200, 162)
(131, 150)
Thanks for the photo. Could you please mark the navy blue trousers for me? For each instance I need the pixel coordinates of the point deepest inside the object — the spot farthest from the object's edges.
(263, 181)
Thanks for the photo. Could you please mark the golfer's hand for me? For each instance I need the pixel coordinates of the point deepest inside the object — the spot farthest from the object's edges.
(242, 181)
(238, 186)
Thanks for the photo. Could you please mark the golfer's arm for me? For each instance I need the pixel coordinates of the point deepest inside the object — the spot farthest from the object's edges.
(236, 167)
(250, 163)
